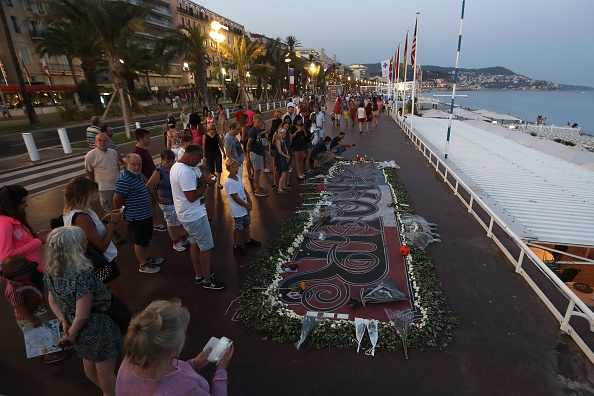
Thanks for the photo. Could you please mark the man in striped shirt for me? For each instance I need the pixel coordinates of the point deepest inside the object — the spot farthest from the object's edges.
(93, 130)
(131, 192)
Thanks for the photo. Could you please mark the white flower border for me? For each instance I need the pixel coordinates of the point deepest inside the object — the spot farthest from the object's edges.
(272, 297)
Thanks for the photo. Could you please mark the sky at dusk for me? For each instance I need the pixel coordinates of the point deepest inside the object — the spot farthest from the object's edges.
(544, 40)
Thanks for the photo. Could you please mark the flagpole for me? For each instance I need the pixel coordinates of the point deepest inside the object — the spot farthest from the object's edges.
(447, 146)
(405, 67)
(413, 59)
(397, 77)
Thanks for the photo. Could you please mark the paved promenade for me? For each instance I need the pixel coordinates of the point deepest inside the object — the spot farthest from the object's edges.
(508, 342)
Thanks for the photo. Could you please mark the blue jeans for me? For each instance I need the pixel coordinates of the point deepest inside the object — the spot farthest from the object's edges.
(340, 149)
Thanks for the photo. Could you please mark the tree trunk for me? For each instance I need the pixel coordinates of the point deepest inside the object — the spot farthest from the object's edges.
(120, 86)
(91, 78)
(33, 119)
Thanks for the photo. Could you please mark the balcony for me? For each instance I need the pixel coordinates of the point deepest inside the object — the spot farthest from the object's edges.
(38, 34)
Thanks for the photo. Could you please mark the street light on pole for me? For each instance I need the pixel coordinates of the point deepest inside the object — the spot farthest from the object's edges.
(219, 37)
(288, 61)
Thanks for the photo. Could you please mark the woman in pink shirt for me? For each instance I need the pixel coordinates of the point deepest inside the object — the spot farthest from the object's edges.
(153, 343)
(16, 235)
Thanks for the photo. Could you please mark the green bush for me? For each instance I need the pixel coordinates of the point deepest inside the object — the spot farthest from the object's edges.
(69, 111)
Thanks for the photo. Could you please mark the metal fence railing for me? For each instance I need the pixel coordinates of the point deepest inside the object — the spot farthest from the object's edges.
(556, 295)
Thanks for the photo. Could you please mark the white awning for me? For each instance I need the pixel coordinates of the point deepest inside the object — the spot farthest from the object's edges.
(541, 197)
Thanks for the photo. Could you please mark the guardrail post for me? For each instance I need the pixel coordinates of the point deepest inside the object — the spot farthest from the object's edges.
(490, 232)
(565, 322)
(137, 125)
(31, 147)
(227, 110)
(267, 106)
(520, 261)
(260, 107)
(64, 140)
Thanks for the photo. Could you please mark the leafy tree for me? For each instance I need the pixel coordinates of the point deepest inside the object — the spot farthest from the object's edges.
(243, 56)
(72, 41)
(138, 60)
(188, 44)
(112, 23)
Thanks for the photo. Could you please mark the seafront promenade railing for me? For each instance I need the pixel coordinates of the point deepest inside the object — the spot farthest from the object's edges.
(556, 295)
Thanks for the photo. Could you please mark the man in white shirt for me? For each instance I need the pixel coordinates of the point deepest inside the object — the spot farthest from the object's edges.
(188, 185)
(101, 165)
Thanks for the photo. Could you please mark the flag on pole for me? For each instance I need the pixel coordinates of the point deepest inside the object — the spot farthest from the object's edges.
(24, 67)
(413, 48)
(385, 68)
(391, 67)
(404, 57)
(4, 73)
(397, 63)
(45, 68)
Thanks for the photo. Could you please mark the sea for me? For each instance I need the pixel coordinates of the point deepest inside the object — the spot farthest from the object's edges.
(559, 107)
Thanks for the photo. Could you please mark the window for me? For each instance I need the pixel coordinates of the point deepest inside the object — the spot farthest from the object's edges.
(27, 5)
(9, 3)
(25, 54)
(16, 25)
(40, 8)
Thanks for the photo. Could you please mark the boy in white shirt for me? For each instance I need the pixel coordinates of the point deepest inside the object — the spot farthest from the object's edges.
(240, 205)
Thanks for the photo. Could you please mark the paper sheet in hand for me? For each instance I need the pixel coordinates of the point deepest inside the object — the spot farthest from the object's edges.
(219, 347)
(42, 340)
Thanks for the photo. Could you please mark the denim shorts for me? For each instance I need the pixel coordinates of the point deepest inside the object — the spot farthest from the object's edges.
(199, 233)
(243, 221)
(257, 161)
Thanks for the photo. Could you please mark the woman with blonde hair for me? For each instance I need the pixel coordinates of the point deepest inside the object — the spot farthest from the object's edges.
(154, 341)
(79, 301)
(80, 192)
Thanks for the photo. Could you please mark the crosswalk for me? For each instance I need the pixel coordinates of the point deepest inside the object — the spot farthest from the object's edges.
(42, 177)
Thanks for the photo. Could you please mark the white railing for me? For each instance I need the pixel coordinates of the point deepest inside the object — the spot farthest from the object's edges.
(560, 300)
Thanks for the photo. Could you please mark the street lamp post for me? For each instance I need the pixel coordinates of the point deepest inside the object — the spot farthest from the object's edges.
(288, 61)
(218, 37)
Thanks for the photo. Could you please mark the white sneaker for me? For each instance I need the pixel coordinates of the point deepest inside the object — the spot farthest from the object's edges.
(179, 246)
(149, 269)
(266, 170)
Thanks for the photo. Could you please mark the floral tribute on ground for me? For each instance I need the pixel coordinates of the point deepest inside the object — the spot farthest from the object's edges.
(344, 240)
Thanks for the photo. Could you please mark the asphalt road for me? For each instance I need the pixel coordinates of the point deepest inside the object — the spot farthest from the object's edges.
(12, 143)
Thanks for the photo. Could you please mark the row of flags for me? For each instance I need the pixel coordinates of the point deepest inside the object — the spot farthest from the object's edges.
(393, 73)
(45, 70)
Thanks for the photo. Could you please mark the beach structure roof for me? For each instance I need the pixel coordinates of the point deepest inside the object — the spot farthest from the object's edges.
(497, 116)
(432, 113)
(467, 114)
(541, 197)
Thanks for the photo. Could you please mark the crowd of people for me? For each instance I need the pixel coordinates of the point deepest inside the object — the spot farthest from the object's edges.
(79, 271)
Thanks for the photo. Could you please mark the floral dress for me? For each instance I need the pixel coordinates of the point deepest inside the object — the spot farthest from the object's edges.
(99, 340)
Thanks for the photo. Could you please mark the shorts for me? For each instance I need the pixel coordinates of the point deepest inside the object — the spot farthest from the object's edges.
(106, 200)
(243, 221)
(142, 231)
(170, 215)
(308, 146)
(199, 233)
(361, 119)
(214, 161)
(257, 161)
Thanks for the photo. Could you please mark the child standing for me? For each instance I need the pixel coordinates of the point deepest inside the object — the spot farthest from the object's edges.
(26, 299)
(240, 205)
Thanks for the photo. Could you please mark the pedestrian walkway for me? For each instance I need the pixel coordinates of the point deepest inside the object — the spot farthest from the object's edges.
(508, 342)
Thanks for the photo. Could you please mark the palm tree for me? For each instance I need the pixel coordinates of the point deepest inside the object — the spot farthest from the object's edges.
(33, 119)
(112, 23)
(188, 44)
(243, 55)
(138, 59)
(292, 43)
(270, 66)
(72, 42)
